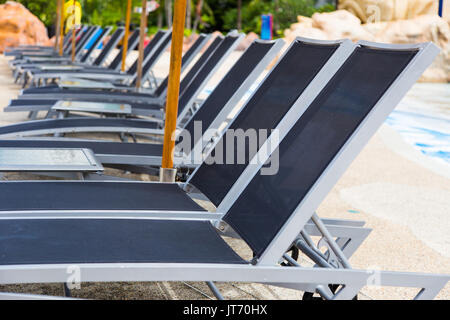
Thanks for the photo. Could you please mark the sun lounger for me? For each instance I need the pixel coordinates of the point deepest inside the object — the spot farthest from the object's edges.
(96, 86)
(161, 39)
(23, 70)
(83, 36)
(211, 115)
(154, 107)
(156, 97)
(177, 241)
(84, 60)
(20, 52)
(59, 126)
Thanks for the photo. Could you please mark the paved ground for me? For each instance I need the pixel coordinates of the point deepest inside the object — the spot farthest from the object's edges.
(389, 185)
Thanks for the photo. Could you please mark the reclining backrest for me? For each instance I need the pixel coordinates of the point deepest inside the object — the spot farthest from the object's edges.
(264, 110)
(206, 71)
(68, 36)
(110, 45)
(133, 41)
(155, 55)
(104, 32)
(227, 87)
(187, 57)
(83, 42)
(67, 46)
(190, 75)
(317, 147)
(148, 49)
(82, 32)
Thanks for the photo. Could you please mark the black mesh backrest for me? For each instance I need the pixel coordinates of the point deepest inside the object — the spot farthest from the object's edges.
(314, 141)
(264, 110)
(190, 75)
(94, 46)
(84, 33)
(186, 57)
(83, 40)
(155, 55)
(206, 70)
(150, 46)
(133, 41)
(110, 45)
(67, 39)
(227, 87)
(68, 36)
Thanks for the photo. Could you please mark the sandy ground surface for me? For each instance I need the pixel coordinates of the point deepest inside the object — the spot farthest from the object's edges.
(402, 197)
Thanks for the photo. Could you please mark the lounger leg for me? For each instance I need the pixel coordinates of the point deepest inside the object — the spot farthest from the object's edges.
(25, 80)
(331, 242)
(67, 292)
(50, 114)
(16, 76)
(123, 137)
(215, 290)
(33, 115)
(334, 258)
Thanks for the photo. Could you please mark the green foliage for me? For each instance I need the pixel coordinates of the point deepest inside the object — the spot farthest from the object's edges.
(251, 16)
(285, 13)
(107, 13)
(288, 10)
(216, 14)
(43, 9)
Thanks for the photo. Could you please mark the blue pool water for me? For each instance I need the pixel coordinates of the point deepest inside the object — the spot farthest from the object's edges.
(423, 120)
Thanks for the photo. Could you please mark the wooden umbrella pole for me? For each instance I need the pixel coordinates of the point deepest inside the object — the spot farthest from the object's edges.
(57, 24)
(61, 27)
(74, 38)
(141, 43)
(167, 173)
(127, 34)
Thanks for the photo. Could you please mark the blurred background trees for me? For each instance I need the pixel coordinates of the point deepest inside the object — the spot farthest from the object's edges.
(203, 16)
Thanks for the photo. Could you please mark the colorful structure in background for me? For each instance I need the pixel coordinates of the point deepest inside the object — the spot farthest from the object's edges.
(266, 27)
(441, 6)
(72, 14)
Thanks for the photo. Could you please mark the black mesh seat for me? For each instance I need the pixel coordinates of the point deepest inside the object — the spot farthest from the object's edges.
(30, 102)
(46, 104)
(98, 147)
(93, 195)
(84, 70)
(85, 123)
(71, 241)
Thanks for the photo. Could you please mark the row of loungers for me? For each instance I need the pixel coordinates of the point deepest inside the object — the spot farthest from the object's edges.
(320, 104)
